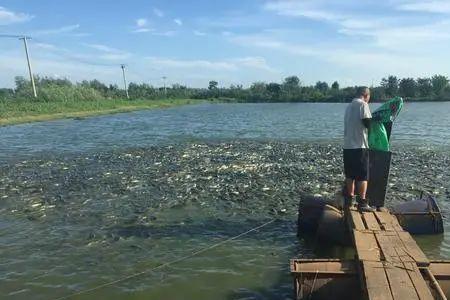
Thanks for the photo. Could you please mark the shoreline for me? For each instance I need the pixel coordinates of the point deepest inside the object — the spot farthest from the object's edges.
(97, 111)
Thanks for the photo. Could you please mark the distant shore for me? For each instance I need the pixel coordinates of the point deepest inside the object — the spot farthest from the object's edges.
(18, 112)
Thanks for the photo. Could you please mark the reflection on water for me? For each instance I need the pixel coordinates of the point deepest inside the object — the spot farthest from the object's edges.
(89, 206)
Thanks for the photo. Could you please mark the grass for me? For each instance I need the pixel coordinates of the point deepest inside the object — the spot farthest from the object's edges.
(25, 111)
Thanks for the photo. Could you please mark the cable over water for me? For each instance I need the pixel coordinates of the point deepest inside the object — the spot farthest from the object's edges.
(110, 283)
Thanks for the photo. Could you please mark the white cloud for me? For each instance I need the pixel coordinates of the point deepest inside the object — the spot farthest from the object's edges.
(115, 56)
(168, 33)
(267, 42)
(109, 53)
(440, 7)
(46, 46)
(199, 33)
(389, 31)
(253, 62)
(60, 30)
(178, 22)
(8, 17)
(233, 64)
(159, 13)
(365, 60)
(141, 30)
(103, 48)
(307, 9)
(191, 64)
(142, 26)
(141, 22)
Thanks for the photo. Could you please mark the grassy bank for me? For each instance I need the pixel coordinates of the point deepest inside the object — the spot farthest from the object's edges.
(25, 111)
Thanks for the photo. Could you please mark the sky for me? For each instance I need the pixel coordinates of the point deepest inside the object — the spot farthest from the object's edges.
(356, 42)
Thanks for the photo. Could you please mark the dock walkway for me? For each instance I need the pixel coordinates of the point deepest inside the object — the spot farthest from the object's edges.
(388, 265)
(389, 258)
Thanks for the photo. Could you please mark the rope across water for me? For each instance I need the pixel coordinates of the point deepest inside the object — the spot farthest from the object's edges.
(110, 283)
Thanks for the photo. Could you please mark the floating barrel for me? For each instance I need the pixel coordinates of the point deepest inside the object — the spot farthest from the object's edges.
(332, 228)
(421, 216)
(310, 211)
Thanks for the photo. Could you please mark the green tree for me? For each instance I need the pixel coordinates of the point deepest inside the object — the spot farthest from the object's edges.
(213, 85)
(390, 85)
(291, 88)
(322, 86)
(424, 87)
(292, 81)
(408, 87)
(439, 83)
(335, 86)
(258, 91)
(21, 83)
(274, 90)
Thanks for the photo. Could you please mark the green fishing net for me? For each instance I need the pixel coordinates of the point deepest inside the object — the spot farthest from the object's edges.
(383, 116)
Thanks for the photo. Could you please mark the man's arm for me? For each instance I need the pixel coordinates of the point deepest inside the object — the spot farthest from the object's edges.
(366, 116)
(368, 121)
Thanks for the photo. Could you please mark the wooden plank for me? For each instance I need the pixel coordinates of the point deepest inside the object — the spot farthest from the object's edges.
(440, 268)
(389, 222)
(330, 267)
(356, 220)
(376, 282)
(385, 219)
(412, 249)
(400, 282)
(366, 246)
(371, 221)
(422, 289)
(387, 242)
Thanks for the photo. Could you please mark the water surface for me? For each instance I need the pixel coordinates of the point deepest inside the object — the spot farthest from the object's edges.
(85, 202)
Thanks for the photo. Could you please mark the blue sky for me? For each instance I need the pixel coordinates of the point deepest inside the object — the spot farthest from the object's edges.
(192, 42)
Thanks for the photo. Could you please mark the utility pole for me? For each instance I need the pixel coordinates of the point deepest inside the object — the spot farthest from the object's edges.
(125, 81)
(25, 38)
(165, 88)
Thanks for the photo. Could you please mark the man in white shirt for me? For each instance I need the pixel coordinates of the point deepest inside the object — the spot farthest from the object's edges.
(356, 148)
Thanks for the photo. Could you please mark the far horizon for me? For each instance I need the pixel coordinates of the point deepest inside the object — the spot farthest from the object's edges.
(191, 43)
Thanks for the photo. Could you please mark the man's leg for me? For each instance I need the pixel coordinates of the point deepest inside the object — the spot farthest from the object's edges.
(362, 189)
(363, 204)
(350, 184)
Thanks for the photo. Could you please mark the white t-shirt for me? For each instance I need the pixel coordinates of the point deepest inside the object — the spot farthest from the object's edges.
(355, 133)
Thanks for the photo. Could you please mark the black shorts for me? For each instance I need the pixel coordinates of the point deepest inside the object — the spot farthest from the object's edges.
(356, 164)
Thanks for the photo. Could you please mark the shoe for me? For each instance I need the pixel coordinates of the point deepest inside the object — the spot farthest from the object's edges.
(365, 207)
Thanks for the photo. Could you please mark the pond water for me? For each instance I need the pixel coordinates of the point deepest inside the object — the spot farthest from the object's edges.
(419, 123)
(92, 201)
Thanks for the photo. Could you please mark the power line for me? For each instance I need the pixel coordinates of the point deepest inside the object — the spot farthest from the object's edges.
(12, 36)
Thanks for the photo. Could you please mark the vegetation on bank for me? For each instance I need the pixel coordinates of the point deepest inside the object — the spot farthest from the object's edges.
(63, 91)
(60, 98)
(24, 110)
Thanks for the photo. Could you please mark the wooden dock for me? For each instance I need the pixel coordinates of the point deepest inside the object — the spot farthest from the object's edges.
(388, 263)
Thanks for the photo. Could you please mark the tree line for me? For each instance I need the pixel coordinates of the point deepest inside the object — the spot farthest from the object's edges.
(435, 88)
